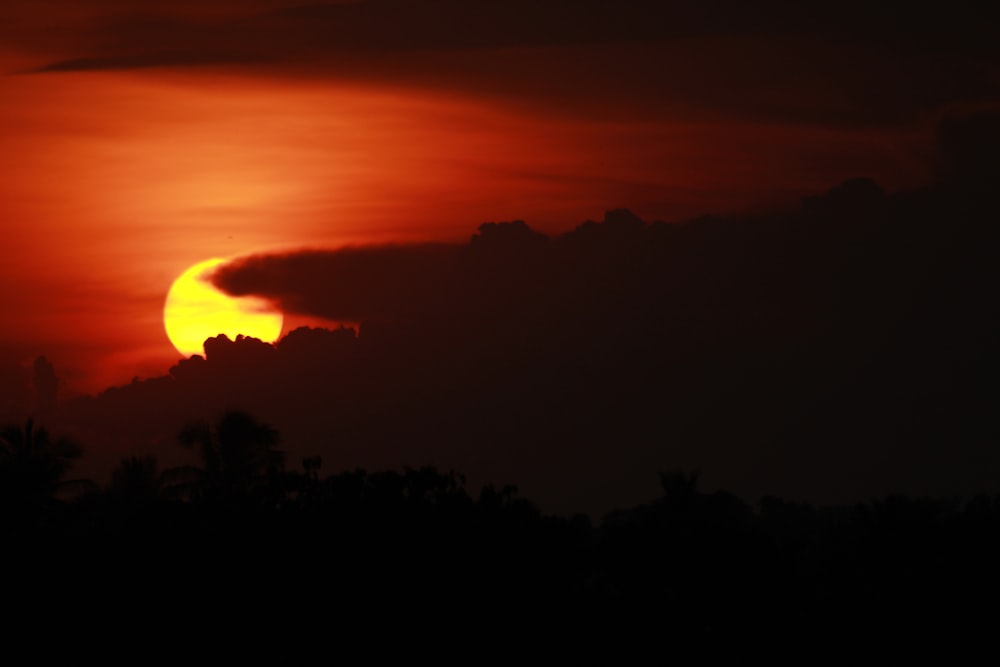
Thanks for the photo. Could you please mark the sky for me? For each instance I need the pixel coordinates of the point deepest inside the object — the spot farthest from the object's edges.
(140, 138)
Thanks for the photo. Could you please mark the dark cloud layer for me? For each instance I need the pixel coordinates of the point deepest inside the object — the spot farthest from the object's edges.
(847, 62)
(392, 279)
(838, 351)
(159, 59)
(393, 25)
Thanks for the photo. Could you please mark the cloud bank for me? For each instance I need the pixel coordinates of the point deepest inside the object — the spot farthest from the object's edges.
(839, 350)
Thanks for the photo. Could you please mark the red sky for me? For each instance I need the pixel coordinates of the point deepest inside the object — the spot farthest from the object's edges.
(138, 139)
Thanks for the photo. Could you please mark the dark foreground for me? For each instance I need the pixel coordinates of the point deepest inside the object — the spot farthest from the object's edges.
(691, 569)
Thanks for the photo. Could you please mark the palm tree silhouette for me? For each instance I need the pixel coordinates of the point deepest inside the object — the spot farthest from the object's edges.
(32, 467)
(238, 454)
(139, 480)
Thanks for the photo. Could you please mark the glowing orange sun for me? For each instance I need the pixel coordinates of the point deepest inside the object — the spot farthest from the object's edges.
(195, 310)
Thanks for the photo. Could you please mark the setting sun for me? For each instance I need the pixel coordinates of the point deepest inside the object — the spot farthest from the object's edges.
(195, 310)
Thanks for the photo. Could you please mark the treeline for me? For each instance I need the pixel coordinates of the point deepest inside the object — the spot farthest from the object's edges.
(692, 563)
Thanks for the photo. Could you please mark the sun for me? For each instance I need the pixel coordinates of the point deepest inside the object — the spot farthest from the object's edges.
(195, 310)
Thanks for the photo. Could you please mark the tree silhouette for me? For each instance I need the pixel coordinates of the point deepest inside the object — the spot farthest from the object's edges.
(238, 455)
(32, 466)
(139, 480)
(680, 490)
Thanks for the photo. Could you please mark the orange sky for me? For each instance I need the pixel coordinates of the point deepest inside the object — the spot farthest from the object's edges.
(114, 181)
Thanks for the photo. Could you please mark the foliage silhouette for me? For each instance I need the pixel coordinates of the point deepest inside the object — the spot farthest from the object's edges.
(690, 564)
(138, 479)
(238, 456)
(33, 466)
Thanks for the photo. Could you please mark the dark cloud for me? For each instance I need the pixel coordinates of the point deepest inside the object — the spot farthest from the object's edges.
(781, 60)
(968, 150)
(834, 352)
(349, 284)
(375, 25)
(144, 60)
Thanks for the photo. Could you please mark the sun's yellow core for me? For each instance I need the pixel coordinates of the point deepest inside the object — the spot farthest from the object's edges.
(195, 311)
